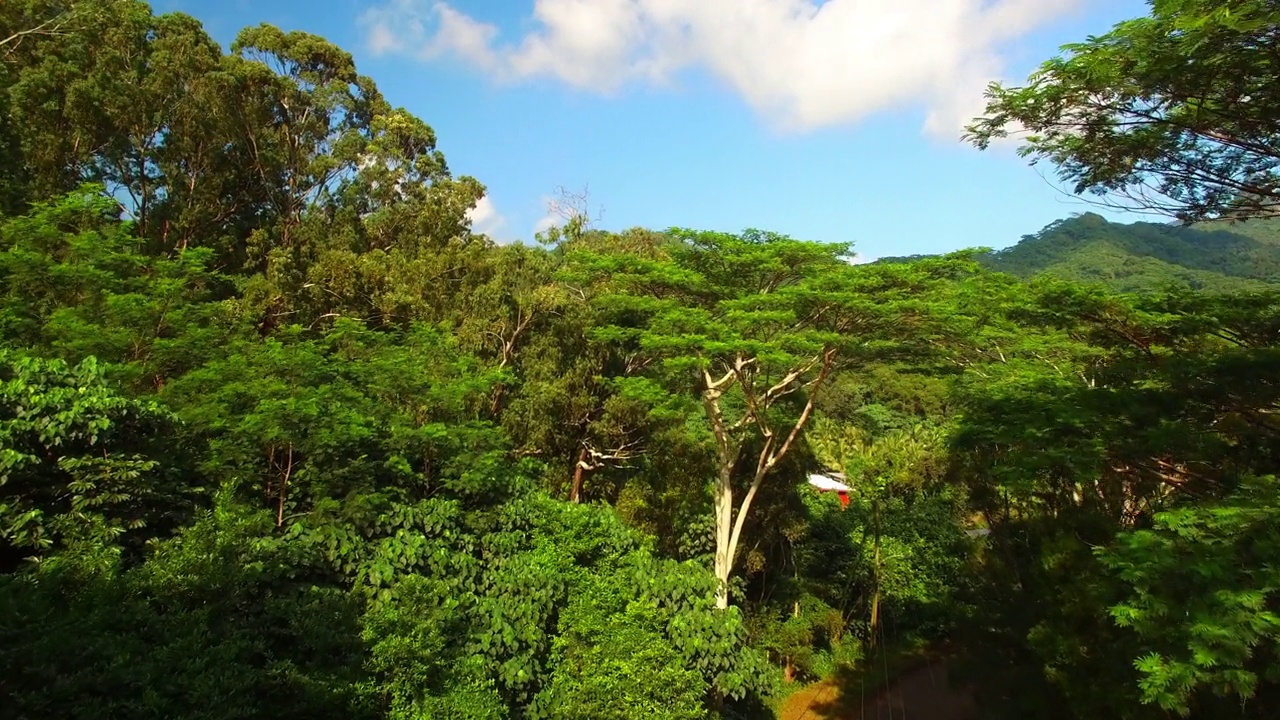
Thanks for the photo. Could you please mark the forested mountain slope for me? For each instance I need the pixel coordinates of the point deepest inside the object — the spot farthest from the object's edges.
(1218, 256)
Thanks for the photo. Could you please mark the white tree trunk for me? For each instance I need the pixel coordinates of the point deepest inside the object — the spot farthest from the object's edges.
(724, 533)
(729, 527)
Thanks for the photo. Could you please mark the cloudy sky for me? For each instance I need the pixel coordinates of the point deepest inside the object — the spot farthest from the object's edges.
(831, 121)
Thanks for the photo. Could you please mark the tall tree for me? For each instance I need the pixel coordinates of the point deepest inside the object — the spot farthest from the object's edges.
(753, 326)
(875, 467)
(1176, 112)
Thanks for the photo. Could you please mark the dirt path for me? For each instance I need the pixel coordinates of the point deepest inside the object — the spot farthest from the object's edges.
(922, 693)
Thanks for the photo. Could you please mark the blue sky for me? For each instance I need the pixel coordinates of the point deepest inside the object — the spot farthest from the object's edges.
(835, 121)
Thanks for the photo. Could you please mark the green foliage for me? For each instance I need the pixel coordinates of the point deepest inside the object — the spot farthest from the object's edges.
(752, 327)
(274, 297)
(208, 627)
(1174, 112)
(280, 435)
(613, 660)
(1222, 256)
(413, 652)
(900, 538)
(1203, 591)
(707, 639)
(1113, 412)
(1146, 257)
(78, 462)
(74, 279)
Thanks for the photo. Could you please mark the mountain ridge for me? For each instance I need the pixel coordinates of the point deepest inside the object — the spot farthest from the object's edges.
(1217, 256)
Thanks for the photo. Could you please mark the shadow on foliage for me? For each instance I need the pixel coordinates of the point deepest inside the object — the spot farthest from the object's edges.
(1115, 479)
(202, 630)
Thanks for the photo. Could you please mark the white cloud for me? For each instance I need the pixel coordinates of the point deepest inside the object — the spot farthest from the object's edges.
(485, 218)
(801, 64)
(546, 222)
(383, 40)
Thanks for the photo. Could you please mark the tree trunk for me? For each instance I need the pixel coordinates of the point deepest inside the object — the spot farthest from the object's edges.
(724, 531)
(579, 470)
(496, 403)
(728, 528)
(875, 595)
(284, 487)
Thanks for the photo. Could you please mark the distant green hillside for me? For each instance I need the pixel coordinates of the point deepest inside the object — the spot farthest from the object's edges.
(1217, 256)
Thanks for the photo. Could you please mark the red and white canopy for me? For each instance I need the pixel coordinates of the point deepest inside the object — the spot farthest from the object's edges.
(832, 482)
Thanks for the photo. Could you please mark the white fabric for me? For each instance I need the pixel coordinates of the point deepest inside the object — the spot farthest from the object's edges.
(827, 482)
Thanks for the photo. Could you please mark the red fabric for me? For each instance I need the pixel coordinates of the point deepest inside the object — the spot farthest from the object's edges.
(844, 500)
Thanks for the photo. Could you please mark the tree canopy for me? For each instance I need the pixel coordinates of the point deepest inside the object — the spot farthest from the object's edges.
(282, 434)
(1175, 112)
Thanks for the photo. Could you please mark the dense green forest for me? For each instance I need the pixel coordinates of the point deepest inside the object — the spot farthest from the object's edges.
(281, 436)
(1145, 257)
